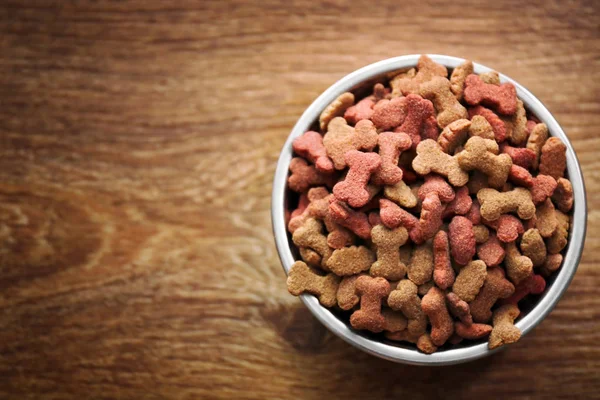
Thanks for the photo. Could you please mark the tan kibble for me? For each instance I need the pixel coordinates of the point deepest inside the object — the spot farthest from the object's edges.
(405, 299)
(495, 287)
(545, 219)
(388, 242)
(310, 257)
(420, 268)
(481, 127)
(552, 264)
(559, 238)
(454, 135)
(395, 321)
(491, 77)
(533, 246)
(447, 107)
(563, 195)
(504, 331)
(431, 158)
(350, 260)
(401, 194)
(336, 109)
(494, 203)
(310, 235)
(481, 233)
(426, 70)
(371, 292)
(480, 154)
(346, 293)
(302, 279)
(516, 125)
(470, 279)
(457, 79)
(518, 267)
(425, 344)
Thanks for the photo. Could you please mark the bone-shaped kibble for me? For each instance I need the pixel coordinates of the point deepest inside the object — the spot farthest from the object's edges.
(393, 216)
(430, 220)
(395, 321)
(481, 127)
(443, 273)
(518, 267)
(302, 279)
(454, 135)
(388, 242)
(473, 331)
(310, 235)
(462, 240)
(516, 125)
(310, 146)
(404, 298)
(346, 293)
(304, 176)
(494, 203)
(491, 252)
(492, 119)
(520, 156)
(388, 114)
(391, 144)
(401, 194)
(353, 189)
(481, 233)
(427, 69)
(545, 219)
(502, 98)
(461, 204)
(535, 142)
(335, 109)
(434, 306)
(458, 77)
(338, 237)
(459, 308)
(355, 221)
(438, 185)
(431, 158)
(350, 260)
(310, 256)
(495, 287)
(469, 281)
(558, 240)
(479, 154)
(533, 284)
(341, 138)
(420, 268)
(542, 188)
(520, 176)
(553, 160)
(371, 292)
(420, 122)
(425, 344)
(448, 108)
(563, 195)
(552, 264)
(505, 331)
(508, 227)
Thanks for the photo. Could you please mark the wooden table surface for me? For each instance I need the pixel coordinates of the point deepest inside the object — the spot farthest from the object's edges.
(138, 141)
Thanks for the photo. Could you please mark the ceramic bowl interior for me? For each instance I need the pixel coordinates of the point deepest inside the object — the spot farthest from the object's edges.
(533, 311)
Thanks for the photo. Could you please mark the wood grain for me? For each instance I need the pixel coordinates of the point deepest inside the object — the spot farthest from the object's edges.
(138, 140)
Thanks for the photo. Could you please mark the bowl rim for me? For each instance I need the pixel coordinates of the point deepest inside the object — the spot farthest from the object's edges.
(412, 356)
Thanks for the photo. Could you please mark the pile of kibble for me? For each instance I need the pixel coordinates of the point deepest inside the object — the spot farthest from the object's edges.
(430, 208)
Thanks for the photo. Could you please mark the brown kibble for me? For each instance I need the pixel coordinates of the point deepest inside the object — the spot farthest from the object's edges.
(481, 233)
(516, 125)
(426, 69)
(388, 242)
(553, 160)
(302, 279)
(536, 140)
(504, 331)
(401, 194)
(480, 154)
(346, 293)
(405, 299)
(395, 321)
(481, 127)
(459, 308)
(457, 79)
(310, 235)
(545, 219)
(434, 306)
(470, 280)
(420, 268)
(371, 292)
(495, 287)
(425, 344)
(518, 267)
(431, 158)
(552, 264)
(491, 77)
(402, 336)
(443, 273)
(350, 260)
(341, 138)
(558, 240)
(310, 257)
(563, 195)
(477, 182)
(494, 203)
(335, 109)
(447, 107)
(473, 331)
(533, 246)
(424, 288)
(454, 135)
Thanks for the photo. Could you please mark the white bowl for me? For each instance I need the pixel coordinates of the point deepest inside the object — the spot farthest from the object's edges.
(398, 352)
